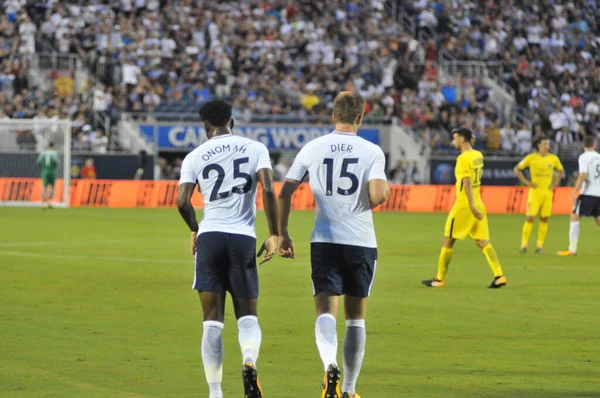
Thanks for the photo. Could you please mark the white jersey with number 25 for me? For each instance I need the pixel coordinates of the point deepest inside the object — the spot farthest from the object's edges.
(340, 166)
(225, 168)
(589, 162)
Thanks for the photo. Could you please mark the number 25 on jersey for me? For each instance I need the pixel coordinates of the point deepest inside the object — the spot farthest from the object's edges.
(237, 173)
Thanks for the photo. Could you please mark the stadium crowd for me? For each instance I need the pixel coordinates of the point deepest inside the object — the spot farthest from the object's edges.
(284, 57)
(547, 51)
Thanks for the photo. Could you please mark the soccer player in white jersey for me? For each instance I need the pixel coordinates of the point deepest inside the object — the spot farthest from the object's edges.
(587, 204)
(226, 168)
(347, 178)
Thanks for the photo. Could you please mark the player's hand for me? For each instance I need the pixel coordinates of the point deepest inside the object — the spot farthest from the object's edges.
(286, 247)
(551, 187)
(194, 238)
(269, 246)
(478, 215)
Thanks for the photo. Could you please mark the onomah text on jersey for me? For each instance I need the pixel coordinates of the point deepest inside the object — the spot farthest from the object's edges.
(222, 148)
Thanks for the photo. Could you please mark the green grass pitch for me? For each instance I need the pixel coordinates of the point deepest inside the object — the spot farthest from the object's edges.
(98, 303)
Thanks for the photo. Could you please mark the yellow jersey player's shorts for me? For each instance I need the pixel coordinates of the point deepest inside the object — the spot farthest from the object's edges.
(462, 223)
(539, 203)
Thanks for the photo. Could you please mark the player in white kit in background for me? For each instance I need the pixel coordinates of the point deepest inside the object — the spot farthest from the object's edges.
(347, 178)
(587, 204)
(226, 168)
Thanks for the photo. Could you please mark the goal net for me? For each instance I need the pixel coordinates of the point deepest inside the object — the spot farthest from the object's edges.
(21, 143)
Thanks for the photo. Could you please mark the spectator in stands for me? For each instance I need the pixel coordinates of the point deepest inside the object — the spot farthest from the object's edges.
(102, 99)
(88, 171)
(592, 113)
(398, 174)
(99, 142)
(177, 168)
(26, 140)
(564, 136)
(509, 137)
(524, 139)
(310, 100)
(494, 136)
(412, 173)
(81, 142)
(558, 119)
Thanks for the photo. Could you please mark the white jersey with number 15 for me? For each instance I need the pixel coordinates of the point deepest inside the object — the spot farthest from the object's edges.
(589, 162)
(225, 168)
(340, 166)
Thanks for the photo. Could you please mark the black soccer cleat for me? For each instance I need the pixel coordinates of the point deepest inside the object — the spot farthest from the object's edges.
(331, 382)
(498, 282)
(523, 250)
(539, 250)
(251, 384)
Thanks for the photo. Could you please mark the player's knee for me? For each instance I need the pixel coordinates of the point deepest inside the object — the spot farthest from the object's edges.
(530, 219)
(598, 221)
(482, 243)
(213, 306)
(326, 302)
(355, 307)
(245, 307)
(544, 219)
(448, 243)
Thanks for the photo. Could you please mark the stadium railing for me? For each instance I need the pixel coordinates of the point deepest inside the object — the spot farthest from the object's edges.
(255, 118)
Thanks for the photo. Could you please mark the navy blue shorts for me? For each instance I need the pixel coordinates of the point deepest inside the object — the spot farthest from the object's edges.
(226, 262)
(587, 206)
(342, 269)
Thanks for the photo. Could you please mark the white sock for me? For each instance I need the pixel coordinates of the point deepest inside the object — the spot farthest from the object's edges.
(353, 352)
(327, 342)
(212, 356)
(250, 337)
(573, 236)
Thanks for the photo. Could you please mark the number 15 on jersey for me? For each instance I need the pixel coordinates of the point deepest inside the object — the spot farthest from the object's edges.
(344, 188)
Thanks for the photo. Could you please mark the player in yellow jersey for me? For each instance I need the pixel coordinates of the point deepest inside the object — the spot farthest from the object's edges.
(546, 172)
(468, 215)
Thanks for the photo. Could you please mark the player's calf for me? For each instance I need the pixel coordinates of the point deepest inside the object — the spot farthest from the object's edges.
(212, 357)
(353, 353)
(250, 338)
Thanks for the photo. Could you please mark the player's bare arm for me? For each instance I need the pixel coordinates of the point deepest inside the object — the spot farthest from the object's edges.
(519, 173)
(379, 192)
(469, 192)
(286, 245)
(184, 204)
(558, 175)
(265, 177)
(580, 180)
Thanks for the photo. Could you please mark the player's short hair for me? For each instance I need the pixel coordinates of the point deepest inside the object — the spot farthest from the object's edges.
(539, 140)
(464, 132)
(348, 107)
(216, 112)
(589, 141)
(51, 145)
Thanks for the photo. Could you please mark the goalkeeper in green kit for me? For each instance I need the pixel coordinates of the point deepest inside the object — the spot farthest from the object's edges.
(48, 161)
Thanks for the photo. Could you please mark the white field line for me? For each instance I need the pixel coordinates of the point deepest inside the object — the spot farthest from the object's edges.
(191, 261)
(79, 242)
(98, 257)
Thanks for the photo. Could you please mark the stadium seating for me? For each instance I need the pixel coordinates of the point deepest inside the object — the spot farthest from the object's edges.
(288, 58)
